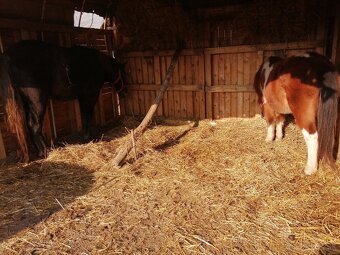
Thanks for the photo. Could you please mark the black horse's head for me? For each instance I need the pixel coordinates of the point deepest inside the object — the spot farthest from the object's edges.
(119, 79)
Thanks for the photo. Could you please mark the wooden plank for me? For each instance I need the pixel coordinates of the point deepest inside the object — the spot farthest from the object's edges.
(215, 110)
(221, 69)
(214, 69)
(227, 71)
(135, 103)
(253, 104)
(150, 68)
(141, 101)
(139, 70)
(177, 104)
(188, 71)
(215, 77)
(221, 102)
(233, 104)
(221, 82)
(157, 70)
(133, 70)
(264, 47)
(190, 104)
(227, 103)
(252, 70)
(187, 78)
(240, 69)
(165, 104)
(181, 70)
(201, 95)
(195, 69)
(232, 49)
(233, 67)
(163, 53)
(145, 74)
(168, 96)
(208, 83)
(2, 147)
(246, 69)
(246, 104)
(171, 96)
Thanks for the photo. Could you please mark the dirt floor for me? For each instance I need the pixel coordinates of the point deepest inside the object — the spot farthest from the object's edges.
(195, 188)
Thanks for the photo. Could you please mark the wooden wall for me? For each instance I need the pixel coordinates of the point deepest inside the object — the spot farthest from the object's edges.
(208, 83)
(62, 118)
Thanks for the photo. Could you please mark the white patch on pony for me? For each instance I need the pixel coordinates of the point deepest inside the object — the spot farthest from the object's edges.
(279, 130)
(267, 69)
(330, 80)
(270, 132)
(312, 150)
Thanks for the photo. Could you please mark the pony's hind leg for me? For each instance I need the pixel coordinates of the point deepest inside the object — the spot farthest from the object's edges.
(269, 115)
(312, 150)
(270, 132)
(279, 126)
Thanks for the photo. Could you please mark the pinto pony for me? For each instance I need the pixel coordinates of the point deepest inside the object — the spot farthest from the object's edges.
(32, 72)
(306, 86)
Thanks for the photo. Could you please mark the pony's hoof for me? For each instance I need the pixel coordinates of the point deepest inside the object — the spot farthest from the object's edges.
(279, 137)
(309, 170)
(269, 139)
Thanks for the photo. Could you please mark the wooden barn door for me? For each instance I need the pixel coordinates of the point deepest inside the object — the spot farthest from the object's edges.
(229, 83)
(183, 99)
(209, 83)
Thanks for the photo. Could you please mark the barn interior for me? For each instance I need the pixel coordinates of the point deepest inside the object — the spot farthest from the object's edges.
(167, 199)
(143, 34)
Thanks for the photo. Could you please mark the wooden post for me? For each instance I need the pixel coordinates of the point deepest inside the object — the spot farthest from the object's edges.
(2, 147)
(125, 148)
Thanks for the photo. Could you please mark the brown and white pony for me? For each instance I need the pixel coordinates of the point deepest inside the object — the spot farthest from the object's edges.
(308, 87)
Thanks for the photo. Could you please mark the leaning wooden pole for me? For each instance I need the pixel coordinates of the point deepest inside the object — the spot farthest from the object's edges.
(125, 148)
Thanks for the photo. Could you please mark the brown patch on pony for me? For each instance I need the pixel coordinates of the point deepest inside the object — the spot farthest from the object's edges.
(16, 120)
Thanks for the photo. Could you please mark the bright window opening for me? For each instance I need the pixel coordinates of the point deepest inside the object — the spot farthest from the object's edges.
(88, 20)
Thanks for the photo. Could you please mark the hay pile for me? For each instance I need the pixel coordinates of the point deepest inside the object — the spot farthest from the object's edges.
(209, 189)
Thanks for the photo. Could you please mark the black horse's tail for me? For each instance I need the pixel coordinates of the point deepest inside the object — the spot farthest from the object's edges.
(16, 121)
(327, 118)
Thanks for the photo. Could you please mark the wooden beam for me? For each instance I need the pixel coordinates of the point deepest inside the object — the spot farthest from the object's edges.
(172, 87)
(37, 26)
(2, 147)
(231, 88)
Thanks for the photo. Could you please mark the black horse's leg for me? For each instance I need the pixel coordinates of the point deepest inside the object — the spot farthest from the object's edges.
(35, 110)
(87, 104)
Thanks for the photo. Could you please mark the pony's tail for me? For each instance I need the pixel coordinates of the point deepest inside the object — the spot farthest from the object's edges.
(14, 109)
(327, 118)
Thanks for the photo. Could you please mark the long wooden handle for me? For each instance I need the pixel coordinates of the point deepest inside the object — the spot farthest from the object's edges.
(125, 148)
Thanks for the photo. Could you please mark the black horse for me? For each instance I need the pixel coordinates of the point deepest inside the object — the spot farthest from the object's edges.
(32, 72)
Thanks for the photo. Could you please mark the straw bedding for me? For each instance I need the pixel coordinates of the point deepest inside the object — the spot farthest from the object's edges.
(196, 188)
